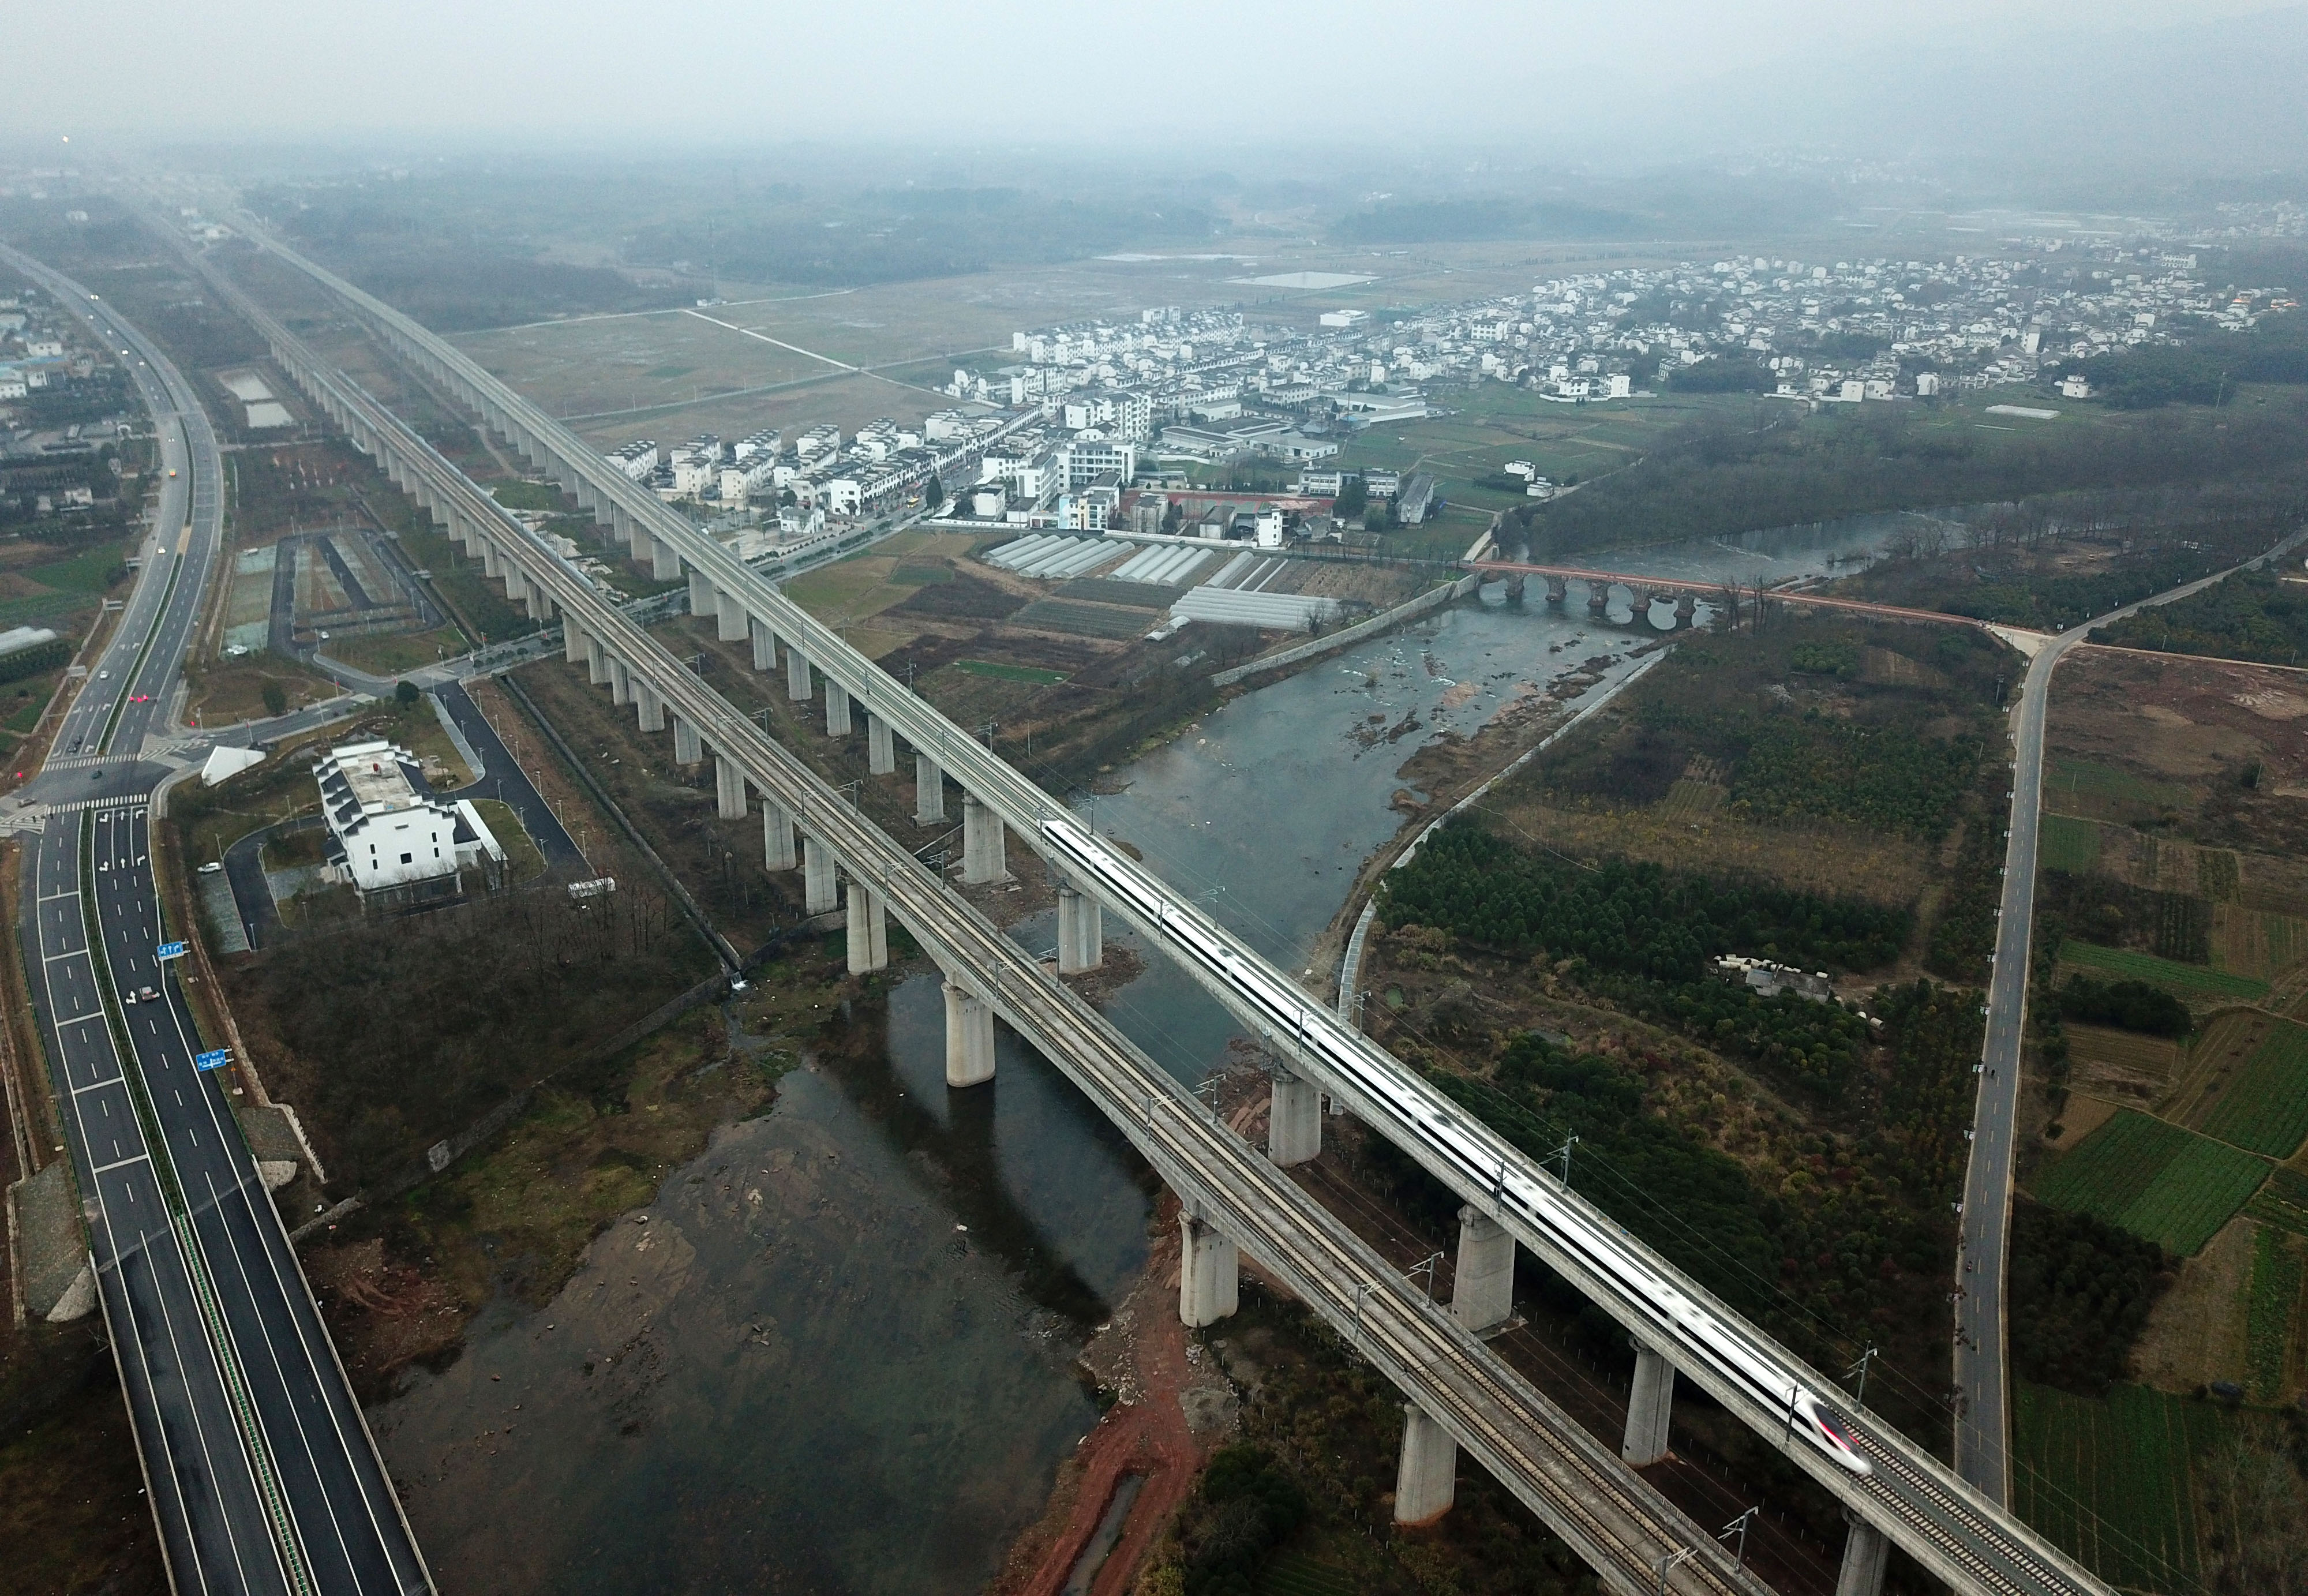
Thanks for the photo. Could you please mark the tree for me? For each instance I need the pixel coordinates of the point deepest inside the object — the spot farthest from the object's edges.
(276, 699)
(934, 493)
(405, 694)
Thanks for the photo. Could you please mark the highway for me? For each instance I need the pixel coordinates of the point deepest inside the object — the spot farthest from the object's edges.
(1982, 1382)
(261, 1472)
(1955, 1532)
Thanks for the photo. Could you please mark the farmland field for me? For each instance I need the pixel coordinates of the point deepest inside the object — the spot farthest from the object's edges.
(2265, 1107)
(2156, 1180)
(2111, 1481)
(2275, 1293)
(2187, 980)
(2103, 791)
(2257, 941)
(2282, 1202)
(2070, 844)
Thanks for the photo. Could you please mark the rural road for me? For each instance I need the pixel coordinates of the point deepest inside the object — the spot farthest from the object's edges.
(1982, 1382)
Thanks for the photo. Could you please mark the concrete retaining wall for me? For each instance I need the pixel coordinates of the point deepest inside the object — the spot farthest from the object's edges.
(1411, 610)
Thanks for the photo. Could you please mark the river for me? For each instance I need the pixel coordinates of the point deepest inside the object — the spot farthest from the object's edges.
(836, 1354)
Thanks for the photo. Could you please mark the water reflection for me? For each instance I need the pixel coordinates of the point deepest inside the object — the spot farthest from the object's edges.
(836, 1358)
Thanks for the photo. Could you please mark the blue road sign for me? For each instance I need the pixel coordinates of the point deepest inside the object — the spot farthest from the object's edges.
(215, 1059)
(172, 950)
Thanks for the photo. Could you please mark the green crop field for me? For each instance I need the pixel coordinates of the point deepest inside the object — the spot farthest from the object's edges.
(2070, 844)
(2188, 980)
(2171, 1185)
(2265, 1107)
(2282, 1202)
(2268, 1324)
(2111, 1481)
(2076, 782)
(89, 572)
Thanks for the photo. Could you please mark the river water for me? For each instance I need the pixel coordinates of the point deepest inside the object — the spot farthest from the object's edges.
(836, 1353)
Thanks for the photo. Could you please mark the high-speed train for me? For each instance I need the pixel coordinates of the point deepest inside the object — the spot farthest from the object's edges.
(1317, 1032)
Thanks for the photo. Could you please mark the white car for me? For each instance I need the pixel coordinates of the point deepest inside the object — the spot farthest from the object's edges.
(212, 866)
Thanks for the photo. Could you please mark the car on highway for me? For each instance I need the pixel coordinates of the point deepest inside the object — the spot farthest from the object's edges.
(140, 698)
(146, 994)
(96, 775)
(211, 868)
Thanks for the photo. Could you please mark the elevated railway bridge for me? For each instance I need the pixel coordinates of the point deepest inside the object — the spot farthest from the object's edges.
(1458, 1395)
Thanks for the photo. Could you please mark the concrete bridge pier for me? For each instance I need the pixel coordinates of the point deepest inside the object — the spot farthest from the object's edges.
(1649, 1407)
(649, 708)
(687, 749)
(1294, 1119)
(701, 602)
(797, 686)
(1426, 1479)
(1865, 1550)
(490, 565)
(516, 586)
(838, 723)
(869, 930)
(1482, 1292)
(1599, 599)
(1210, 1274)
(819, 890)
(1515, 586)
(621, 682)
(597, 661)
(982, 848)
(968, 1037)
(929, 792)
(1081, 932)
(665, 564)
(777, 836)
(765, 645)
(1686, 612)
(730, 617)
(541, 604)
(880, 747)
(572, 642)
(728, 787)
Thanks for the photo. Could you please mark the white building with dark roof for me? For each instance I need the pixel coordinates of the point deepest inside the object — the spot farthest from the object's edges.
(390, 835)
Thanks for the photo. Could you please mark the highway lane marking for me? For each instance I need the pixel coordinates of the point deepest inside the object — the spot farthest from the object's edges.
(98, 1085)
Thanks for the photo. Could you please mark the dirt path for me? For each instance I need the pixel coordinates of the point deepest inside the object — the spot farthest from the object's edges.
(1172, 1408)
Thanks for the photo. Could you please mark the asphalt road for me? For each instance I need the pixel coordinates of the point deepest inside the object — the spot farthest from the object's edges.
(262, 1474)
(1982, 1383)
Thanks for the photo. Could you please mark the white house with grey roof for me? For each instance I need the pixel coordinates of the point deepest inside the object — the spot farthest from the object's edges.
(391, 836)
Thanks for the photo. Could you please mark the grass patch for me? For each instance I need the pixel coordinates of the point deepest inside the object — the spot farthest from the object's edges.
(2268, 1323)
(2266, 1107)
(2111, 1481)
(2187, 980)
(2171, 1185)
(397, 653)
(90, 573)
(1011, 673)
(2069, 843)
(524, 858)
(528, 495)
(920, 576)
(2081, 782)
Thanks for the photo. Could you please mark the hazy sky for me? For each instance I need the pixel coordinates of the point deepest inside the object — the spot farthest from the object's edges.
(1225, 70)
